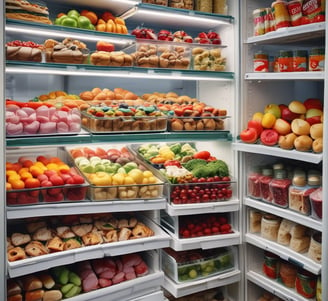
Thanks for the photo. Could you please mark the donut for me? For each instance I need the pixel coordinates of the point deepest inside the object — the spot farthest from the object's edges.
(16, 253)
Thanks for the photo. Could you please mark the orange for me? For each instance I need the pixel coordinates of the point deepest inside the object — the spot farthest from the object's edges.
(27, 163)
(119, 21)
(43, 97)
(55, 160)
(18, 184)
(40, 165)
(52, 166)
(92, 17)
(36, 170)
(13, 178)
(26, 175)
(13, 166)
(23, 169)
(63, 166)
(8, 186)
(32, 183)
(11, 173)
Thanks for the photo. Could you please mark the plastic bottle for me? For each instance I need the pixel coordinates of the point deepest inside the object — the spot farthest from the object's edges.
(279, 187)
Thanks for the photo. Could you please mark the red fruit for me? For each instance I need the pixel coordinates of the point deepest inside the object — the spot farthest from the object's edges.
(269, 137)
(204, 41)
(107, 16)
(216, 41)
(313, 103)
(49, 173)
(222, 220)
(77, 179)
(215, 229)
(203, 35)
(56, 180)
(249, 135)
(257, 125)
(186, 233)
(65, 177)
(207, 231)
(212, 35)
(179, 34)
(105, 46)
(46, 183)
(287, 114)
(54, 191)
(225, 228)
(187, 39)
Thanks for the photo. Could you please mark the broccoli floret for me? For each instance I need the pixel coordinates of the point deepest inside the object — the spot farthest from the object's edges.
(176, 148)
(194, 164)
(202, 172)
(219, 167)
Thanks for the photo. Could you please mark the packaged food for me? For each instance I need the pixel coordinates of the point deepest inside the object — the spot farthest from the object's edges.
(157, 2)
(313, 10)
(300, 60)
(261, 62)
(287, 273)
(258, 21)
(270, 226)
(295, 12)
(205, 6)
(297, 199)
(317, 59)
(271, 265)
(315, 248)
(268, 20)
(184, 4)
(255, 218)
(316, 203)
(253, 183)
(265, 179)
(285, 61)
(279, 187)
(306, 283)
(280, 14)
(220, 7)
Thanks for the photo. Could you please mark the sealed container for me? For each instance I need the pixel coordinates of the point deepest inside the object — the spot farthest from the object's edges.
(306, 283)
(280, 14)
(295, 12)
(285, 61)
(253, 183)
(265, 179)
(279, 188)
(184, 4)
(300, 60)
(157, 2)
(185, 266)
(317, 59)
(261, 62)
(313, 10)
(271, 265)
(287, 274)
(220, 7)
(316, 203)
(258, 21)
(208, 58)
(315, 248)
(205, 6)
(296, 198)
(268, 20)
(270, 226)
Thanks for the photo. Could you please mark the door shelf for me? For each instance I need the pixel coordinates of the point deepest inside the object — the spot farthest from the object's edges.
(87, 207)
(291, 34)
(274, 287)
(190, 209)
(183, 289)
(285, 213)
(44, 262)
(278, 152)
(308, 75)
(285, 253)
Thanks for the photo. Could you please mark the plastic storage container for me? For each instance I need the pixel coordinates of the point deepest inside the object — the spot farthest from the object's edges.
(279, 188)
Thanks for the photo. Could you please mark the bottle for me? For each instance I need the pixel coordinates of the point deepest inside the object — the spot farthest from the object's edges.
(279, 187)
(306, 283)
(296, 195)
(313, 184)
(265, 179)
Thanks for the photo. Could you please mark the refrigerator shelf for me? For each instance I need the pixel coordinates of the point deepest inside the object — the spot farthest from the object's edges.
(86, 207)
(183, 289)
(274, 287)
(199, 208)
(285, 213)
(278, 152)
(308, 75)
(286, 253)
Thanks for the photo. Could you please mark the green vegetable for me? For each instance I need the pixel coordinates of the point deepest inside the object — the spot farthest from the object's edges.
(129, 166)
(221, 167)
(176, 148)
(194, 163)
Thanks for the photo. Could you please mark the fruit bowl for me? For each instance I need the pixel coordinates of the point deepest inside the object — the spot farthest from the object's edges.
(116, 174)
(42, 179)
(184, 266)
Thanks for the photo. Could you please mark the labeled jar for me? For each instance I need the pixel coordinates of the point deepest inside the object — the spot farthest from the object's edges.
(220, 7)
(285, 61)
(300, 60)
(279, 188)
(268, 20)
(258, 21)
(265, 179)
(253, 183)
(317, 59)
(280, 14)
(271, 265)
(306, 283)
(261, 62)
(296, 198)
(287, 274)
(270, 226)
(295, 12)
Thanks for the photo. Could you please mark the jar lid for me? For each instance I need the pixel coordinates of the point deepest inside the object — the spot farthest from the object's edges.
(267, 171)
(280, 174)
(299, 180)
(285, 53)
(314, 180)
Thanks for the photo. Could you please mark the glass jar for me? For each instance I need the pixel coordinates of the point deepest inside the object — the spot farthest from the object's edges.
(271, 265)
(253, 183)
(279, 188)
(265, 179)
(280, 14)
(317, 59)
(285, 61)
(287, 274)
(316, 203)
(300, 60)
(270, 226)
(261, 62)
(296, 196)
(306, 283)
(258, 21)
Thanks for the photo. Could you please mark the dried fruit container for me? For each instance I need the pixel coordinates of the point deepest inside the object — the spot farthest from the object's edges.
(185, 266)
(116, 174)
(46, 178)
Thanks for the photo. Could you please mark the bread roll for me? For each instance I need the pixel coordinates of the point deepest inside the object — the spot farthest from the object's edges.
(287, 141)
(316, 130)
(300, 127)
(297, 107)
(317, 145)
(303, 143)
(52, 295)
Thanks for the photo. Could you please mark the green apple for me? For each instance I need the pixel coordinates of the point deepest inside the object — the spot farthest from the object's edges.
(73, 14)
(59, 20)
(83, 22)
(273, 109)
(91, 27)
(68, 21)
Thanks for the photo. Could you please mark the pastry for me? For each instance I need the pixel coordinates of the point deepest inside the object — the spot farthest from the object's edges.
(26, 11)
(36, 248)
(55, 244)
(18, 239)
(43, 234)
(16, 253)
(82, 229)
(72, 243)
(34, 295)
(111, 236)
(124, 234)
(284, 233)
(92, 238)
(31, 283)
(13, 288)
(141, 230)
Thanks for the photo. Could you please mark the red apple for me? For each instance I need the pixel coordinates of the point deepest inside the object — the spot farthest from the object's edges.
(216, 41)
(249, 135)
(313, 116)
(188, 39)
(213, 35)
(282, 126)
(313, 103)
(46, 183)
(56, 180)
(287, 114)
(257, 125)
(105, 46)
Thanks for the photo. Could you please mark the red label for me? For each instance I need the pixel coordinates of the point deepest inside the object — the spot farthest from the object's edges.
(311, 8)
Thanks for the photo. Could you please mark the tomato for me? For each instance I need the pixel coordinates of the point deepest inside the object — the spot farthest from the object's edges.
(249, 135)
(269, 137)
(257, 125)
(202, 155)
